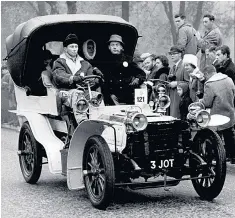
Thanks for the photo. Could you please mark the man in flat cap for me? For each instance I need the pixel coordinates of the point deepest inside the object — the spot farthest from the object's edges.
(122, 75)
(177, 74)
(69, 71)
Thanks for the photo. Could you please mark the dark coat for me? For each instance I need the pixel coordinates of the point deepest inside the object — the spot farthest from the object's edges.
(161, 74)
(181, 75)
(118, 78)
(62, 73)
(186, 39)
(228, 68)
(219, 93)
(185, 101)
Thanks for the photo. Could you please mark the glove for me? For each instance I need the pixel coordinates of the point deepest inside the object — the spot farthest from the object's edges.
(77, 79)
(97, 72)
(135, 82)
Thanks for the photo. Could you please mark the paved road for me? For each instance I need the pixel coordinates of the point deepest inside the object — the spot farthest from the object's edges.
(51, 198)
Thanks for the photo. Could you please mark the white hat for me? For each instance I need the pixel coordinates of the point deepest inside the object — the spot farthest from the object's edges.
(190, 59)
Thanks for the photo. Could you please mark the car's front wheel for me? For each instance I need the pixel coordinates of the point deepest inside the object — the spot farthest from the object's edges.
(208, 146)
(98, 169)
(30, 155)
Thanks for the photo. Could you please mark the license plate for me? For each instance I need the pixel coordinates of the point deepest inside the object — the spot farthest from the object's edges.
(167, 163)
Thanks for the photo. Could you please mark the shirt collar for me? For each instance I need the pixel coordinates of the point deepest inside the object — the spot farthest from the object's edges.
(177, 63)
(67, 56)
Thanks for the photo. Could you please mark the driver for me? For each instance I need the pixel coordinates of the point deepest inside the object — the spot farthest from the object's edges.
(122, 75)
(69, 71)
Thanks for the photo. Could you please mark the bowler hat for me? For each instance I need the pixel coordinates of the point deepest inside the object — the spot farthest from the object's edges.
(70, 39)
(175, 49)
(116, 38)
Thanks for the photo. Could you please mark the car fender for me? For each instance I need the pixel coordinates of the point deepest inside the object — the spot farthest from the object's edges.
(44, 134)
(111, 133)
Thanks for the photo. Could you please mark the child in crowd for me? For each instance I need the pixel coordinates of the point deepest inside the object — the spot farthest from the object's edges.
(195, 85)
(185, 100)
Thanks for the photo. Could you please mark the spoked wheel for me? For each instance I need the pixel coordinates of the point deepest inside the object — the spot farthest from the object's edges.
(98, 169)
(208, 146)
(30, 155)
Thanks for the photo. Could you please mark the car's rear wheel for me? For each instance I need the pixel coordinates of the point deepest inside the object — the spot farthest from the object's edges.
(208, 146)
(30, 155)
(99, 175)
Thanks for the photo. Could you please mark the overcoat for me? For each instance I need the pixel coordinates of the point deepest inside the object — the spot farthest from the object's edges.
(181, 75)
(161, 74)
(119, 73)
(61, 73)
(211, 37)
(186, 39)
(219, 93)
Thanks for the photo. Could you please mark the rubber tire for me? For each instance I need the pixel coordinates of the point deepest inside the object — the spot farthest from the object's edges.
(34, 176)
(108, 163)
(209, 193)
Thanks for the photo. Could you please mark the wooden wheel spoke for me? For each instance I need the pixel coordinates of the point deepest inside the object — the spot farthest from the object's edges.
(101, 182)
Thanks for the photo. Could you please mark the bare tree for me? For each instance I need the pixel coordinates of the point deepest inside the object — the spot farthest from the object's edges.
(125, 10)
(72, 7)
(182, 8)
(197, 20)
(39, 7)
(54, 7)
(169, 13)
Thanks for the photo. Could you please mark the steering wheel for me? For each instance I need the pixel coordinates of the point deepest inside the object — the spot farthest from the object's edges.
(87, 80)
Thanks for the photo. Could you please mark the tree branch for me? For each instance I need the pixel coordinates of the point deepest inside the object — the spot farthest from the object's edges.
(169, 12)
(72, 8)
(33, 6)
(196, 22)
(182, 8)
(54, 9)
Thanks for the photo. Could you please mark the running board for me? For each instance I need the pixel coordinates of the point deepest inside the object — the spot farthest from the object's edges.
(158, 184)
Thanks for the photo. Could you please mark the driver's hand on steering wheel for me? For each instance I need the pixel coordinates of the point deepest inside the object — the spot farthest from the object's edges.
(97, 72)
(78, 79)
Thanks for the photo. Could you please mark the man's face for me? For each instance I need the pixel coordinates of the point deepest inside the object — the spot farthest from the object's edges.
(72, 49)
(115, 47)
(148, 63)
(207, 23)
(175, 56)
(179, 22)
(90, 49)
(220, 57)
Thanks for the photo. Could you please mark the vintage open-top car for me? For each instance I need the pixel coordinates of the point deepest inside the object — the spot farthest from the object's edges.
(135, 146)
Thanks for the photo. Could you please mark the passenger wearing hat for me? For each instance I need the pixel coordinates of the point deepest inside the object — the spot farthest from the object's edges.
(177, 74)
(122, 75)
(195, 84)
(69, 71)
